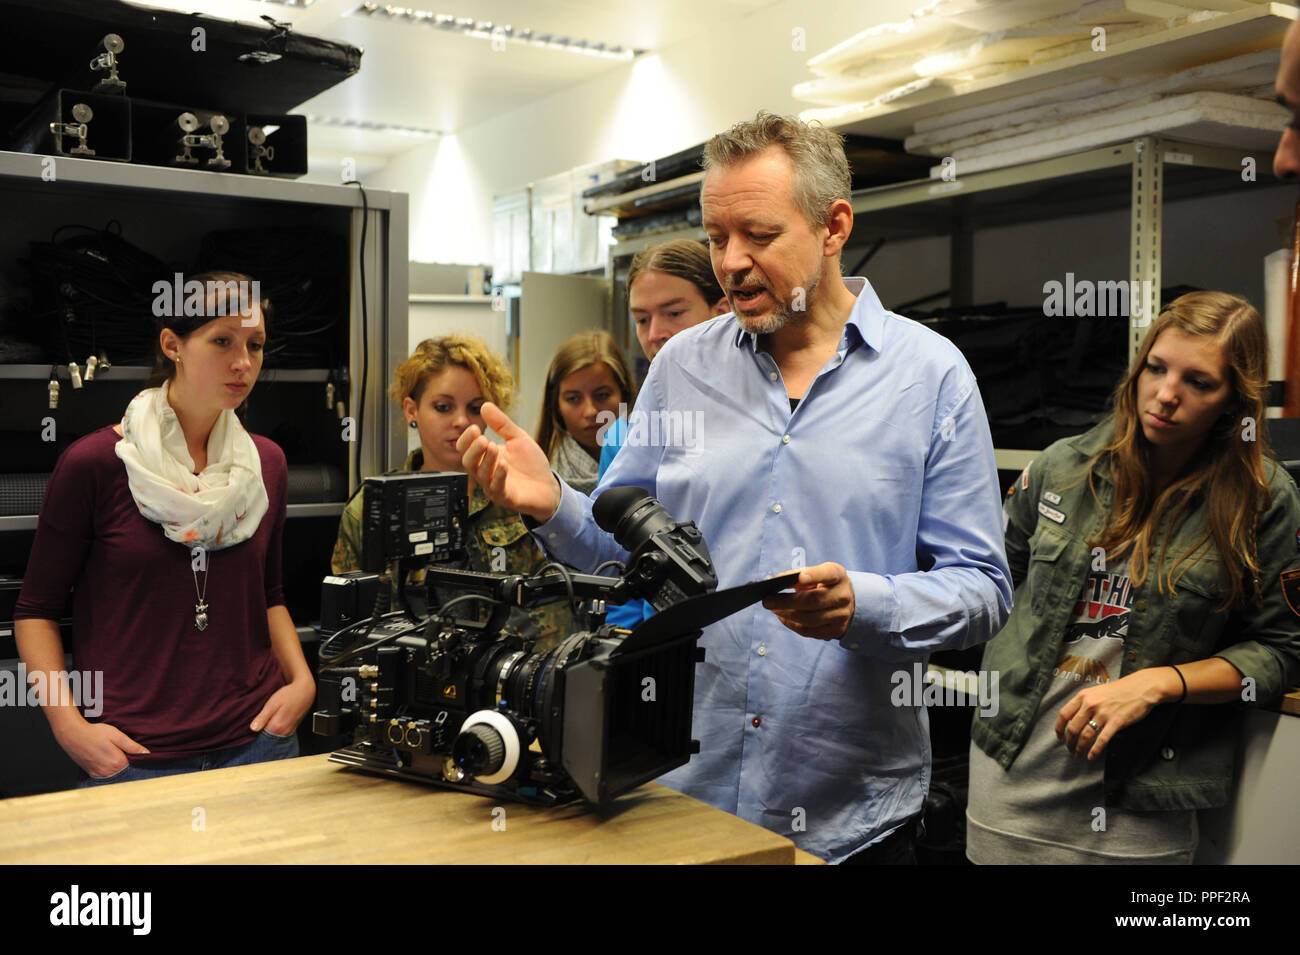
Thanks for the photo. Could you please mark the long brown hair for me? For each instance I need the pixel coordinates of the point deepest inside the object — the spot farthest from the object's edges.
(578, 352)
(1228, 474)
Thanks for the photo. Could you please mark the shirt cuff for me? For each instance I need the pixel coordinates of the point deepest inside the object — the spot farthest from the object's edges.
(567, 520)
(875, 611)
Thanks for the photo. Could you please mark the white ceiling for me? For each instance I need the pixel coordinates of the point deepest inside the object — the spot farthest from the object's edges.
(423, 77)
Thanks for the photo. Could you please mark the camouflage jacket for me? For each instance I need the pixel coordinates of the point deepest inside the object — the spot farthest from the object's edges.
(496, 541)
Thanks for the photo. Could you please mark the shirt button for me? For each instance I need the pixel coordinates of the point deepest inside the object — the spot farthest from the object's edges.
(762, 650)
(1132, 655)
(1141, 605)
(1167, 753)
(785, 439)
(776, 508)
(756, 722)
(774, 375)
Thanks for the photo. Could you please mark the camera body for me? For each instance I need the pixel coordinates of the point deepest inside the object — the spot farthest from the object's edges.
(463, 708)
(446, 698)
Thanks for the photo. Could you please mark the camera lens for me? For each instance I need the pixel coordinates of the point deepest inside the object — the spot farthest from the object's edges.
(490, 674)
(546, 692)
(521, 683)
(479, 750)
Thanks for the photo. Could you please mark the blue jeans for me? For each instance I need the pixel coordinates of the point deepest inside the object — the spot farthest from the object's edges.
(266, 747)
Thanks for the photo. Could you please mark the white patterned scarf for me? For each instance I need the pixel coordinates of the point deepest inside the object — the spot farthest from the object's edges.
(572, 462)
(218, 508)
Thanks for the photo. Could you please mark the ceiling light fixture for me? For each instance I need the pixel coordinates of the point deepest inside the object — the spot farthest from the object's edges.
(487, 30)
(415, 132)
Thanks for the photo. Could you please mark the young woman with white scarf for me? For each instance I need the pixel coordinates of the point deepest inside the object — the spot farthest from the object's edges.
(167, 527)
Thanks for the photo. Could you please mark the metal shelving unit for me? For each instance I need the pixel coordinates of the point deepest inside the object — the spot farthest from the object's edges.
(1141, 174)
(201, 193)
(1252, 26)
(140, 373)
(1156, 170)
(171, 209)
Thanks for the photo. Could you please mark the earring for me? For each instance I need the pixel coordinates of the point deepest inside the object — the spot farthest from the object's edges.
(413, 425)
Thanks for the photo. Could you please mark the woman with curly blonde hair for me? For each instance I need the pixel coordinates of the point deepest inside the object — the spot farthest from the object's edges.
(441, 390)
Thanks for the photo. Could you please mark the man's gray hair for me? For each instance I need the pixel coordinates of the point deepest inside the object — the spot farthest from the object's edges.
(821, 170)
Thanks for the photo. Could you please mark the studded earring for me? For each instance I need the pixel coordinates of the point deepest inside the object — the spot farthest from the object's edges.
(413, 425)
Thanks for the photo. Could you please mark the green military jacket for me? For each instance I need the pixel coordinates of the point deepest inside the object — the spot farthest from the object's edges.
(496, 540)
(1181, 755)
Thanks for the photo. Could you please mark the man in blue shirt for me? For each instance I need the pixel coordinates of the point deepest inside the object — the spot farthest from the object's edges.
(809, 428)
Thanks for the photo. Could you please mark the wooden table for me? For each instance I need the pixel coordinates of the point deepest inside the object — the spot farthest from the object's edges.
(308, 810)
(1291, 703)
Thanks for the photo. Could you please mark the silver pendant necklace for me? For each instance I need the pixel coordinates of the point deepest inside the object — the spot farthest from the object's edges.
(201, 608)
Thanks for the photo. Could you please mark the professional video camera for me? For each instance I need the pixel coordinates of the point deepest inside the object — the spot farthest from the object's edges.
(447, 698)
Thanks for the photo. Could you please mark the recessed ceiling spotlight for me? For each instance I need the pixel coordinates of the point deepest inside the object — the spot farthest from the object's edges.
(497, 33)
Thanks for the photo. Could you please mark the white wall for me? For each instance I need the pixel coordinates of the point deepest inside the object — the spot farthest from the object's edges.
(656, 105)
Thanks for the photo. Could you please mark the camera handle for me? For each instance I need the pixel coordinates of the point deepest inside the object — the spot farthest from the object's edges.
(518, 590)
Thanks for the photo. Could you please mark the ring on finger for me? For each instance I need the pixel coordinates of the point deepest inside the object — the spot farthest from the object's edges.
(1092, 724)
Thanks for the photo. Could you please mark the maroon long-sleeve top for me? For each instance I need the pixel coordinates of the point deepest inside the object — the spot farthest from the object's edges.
(175, 689)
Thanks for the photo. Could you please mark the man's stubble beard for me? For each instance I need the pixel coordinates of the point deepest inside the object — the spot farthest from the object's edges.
(782, 314)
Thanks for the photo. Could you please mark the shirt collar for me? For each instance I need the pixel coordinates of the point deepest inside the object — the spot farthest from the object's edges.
(1089, 445)
(866, 322)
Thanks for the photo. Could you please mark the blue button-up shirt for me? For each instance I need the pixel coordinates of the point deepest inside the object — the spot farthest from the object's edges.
(886, 467)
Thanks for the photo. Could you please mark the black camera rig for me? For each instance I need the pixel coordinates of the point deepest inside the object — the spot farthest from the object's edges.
(446, 698)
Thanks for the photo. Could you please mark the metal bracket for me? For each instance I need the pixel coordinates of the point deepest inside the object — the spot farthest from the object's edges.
(259, 150)
(83, 114)
(272, 46)
(107, 62)
(189, 123)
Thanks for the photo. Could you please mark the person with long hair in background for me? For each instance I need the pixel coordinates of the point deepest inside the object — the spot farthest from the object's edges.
(587, 380)
(1157, 576)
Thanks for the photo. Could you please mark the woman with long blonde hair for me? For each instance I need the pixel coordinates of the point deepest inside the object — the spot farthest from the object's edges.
(1157, 576)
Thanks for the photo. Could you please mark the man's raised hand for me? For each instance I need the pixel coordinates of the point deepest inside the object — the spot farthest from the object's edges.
(515, 475)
